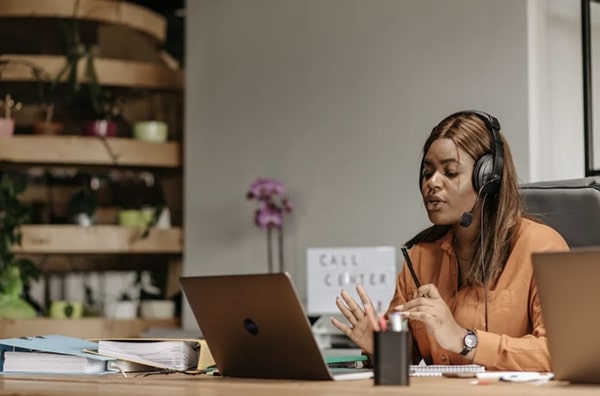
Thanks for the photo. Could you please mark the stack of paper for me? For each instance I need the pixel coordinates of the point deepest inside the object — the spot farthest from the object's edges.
(50, 354)
(167, 354)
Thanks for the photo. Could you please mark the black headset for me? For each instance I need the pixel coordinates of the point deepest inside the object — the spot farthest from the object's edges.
(487, 172)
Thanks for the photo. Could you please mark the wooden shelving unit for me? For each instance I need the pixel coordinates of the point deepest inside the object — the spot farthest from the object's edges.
(100, 239)
(102, 11)
(83, 150)
(112, 72)
(83, 327)
(67, 248)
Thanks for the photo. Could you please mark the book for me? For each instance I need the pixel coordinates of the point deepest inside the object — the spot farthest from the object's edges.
(437, 370)
(346, 361)
(51, 363)
(51, 354)
(169, 354)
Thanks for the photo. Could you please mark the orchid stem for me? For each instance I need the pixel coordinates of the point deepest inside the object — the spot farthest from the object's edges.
(269, 253)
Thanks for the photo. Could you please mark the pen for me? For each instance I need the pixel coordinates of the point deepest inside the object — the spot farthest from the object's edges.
(410, 266)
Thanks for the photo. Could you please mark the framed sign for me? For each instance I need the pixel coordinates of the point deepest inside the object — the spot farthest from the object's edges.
(329, 270)
(590, 32)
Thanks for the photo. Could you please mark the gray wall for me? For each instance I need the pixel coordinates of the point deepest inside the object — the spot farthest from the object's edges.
(334, 98)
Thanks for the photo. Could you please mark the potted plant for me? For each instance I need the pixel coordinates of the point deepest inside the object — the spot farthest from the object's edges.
(7, 124)
(46, 91)
(15, 273)
(90, 97)
(82, 207)
(46, 87)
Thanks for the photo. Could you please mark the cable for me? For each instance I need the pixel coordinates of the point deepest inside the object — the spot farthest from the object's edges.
(483, 272)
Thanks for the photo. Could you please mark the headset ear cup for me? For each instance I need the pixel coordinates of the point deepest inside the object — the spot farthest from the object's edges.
(482, 171)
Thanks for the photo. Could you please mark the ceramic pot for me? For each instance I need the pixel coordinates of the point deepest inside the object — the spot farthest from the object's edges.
(157, 309)
(122, 310)
(101, 128)
(48, 128)
(150, 131)
(7, 127)
(66, 309)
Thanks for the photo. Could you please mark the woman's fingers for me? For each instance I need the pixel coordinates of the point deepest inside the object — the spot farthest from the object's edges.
(353, 305)
(341, 327)
(429, 291)
(345, 311)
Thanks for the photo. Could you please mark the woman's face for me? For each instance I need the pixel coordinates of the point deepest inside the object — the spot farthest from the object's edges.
(447, 187)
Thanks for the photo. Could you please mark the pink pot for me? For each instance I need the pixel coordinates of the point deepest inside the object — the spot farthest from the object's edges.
(7, 127)
(102, 128)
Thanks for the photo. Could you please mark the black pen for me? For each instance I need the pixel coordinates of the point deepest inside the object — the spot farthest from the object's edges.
(410, 266)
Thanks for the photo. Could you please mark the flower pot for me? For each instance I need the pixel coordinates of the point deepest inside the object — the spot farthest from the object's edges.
(101, 128)
(7, 127)
(130, 218)
(157, 309)
(150, 131)
(121, 310)
(66, 309)
(48, 128)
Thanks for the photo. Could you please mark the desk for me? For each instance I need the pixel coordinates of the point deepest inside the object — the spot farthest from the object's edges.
(179, 384)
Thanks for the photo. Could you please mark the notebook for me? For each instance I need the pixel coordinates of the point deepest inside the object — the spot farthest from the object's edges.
(568, 290)
(255, 327)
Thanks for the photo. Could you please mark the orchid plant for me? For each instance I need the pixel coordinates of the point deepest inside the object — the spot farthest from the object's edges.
(272, 205)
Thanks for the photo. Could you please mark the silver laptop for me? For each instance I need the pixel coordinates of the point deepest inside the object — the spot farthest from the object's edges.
(255, 327)
(568, 285)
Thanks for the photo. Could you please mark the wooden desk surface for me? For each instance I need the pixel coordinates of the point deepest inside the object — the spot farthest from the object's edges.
(179, 384)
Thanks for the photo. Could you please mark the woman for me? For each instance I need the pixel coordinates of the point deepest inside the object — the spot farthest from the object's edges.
(478, 302)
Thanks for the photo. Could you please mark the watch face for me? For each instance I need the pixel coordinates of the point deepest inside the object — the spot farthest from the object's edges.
(471, 340)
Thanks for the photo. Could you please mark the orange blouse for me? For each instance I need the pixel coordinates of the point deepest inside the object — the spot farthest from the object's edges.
(516, 339)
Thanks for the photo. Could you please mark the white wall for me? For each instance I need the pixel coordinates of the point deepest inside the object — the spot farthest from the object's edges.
(556, 90)
(335, 98)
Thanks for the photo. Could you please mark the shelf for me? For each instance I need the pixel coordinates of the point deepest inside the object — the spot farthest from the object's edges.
(111, 72)
(102, 239)
(114, 12)
(84, 150)
(83, 327)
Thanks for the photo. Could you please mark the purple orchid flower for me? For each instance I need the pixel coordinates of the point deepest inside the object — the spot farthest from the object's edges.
(273, 203)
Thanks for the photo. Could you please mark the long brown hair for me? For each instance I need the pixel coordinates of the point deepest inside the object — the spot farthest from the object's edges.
(501, 212)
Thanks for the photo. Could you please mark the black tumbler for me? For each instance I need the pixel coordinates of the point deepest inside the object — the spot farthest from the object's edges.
(392, 357)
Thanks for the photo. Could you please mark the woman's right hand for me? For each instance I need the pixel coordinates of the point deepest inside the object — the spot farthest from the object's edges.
(360, 318)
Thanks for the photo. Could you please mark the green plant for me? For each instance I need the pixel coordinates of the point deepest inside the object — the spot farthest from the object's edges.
(46, 85)
(15, 272)
(83, 201)
(76, 52)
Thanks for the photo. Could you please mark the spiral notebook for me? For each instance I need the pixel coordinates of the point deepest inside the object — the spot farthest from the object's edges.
(437, 370)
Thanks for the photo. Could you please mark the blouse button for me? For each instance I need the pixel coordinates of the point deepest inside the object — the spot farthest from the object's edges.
(444, 358)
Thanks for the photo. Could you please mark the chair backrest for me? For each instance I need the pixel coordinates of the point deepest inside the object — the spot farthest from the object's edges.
(572, 207)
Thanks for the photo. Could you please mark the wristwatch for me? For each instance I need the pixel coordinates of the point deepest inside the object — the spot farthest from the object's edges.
(469, 342)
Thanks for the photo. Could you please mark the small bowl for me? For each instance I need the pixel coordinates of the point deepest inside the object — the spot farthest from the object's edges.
(66, 309)
(151, 131)
(157, 309)
(130, 218)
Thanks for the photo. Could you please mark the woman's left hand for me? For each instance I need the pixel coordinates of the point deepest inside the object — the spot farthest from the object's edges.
(428, 307)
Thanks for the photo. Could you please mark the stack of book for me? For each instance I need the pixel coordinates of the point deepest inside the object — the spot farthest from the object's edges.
(57, 354)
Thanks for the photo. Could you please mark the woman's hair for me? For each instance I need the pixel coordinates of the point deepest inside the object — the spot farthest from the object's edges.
(501, 212)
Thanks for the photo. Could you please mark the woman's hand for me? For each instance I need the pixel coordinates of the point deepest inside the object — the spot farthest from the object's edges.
(428, 307)
(360, 318)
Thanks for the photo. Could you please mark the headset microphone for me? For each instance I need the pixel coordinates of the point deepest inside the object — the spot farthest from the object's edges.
(467, 217)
